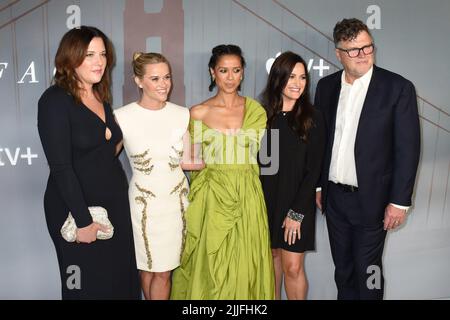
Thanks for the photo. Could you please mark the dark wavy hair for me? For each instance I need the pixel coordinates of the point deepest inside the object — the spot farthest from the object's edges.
(71, 54)
(301, 117)
(348, 29)
(219, 51)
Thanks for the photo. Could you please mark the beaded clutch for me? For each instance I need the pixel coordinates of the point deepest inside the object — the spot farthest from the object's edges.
(99, 215)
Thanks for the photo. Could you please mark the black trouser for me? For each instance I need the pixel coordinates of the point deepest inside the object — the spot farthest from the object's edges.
(356, 248)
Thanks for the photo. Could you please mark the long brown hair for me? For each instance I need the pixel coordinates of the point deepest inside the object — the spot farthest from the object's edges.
(71, 54)
(300, 119)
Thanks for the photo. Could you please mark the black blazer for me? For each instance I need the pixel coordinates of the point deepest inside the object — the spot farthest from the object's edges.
(387, 145)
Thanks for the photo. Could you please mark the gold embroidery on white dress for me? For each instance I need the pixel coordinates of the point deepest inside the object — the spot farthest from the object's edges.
(142, 199)
(175, 161)
(141, 163)
(182, 193)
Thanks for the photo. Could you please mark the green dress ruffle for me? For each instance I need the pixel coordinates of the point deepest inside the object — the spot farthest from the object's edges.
(227, 251)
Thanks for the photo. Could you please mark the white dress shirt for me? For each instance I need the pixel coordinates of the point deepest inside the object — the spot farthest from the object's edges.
(351, 101)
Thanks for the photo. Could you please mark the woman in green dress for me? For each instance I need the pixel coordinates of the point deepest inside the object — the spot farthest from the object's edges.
(227, 251)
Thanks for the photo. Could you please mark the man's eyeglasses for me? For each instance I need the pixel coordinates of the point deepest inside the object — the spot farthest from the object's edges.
(354, 52)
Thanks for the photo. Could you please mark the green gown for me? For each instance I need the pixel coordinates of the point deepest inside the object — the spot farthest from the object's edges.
(227, 251)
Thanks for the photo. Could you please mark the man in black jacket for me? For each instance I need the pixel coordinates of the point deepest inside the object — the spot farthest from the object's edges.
(370, 160)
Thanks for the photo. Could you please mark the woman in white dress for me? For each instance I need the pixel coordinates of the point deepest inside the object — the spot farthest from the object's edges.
(157, 145)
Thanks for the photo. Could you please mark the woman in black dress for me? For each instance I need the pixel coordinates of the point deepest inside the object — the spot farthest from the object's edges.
(290, 192)
(81, 141)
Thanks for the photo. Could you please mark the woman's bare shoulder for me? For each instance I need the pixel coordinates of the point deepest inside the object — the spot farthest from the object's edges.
(199, 111)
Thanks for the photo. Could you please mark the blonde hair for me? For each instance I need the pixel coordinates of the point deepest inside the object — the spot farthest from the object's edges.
(141, 59)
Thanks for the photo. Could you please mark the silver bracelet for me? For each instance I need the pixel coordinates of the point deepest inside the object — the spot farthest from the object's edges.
(295, 215)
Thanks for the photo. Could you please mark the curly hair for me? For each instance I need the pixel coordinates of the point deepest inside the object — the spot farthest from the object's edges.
(71, 54)
(348, 29)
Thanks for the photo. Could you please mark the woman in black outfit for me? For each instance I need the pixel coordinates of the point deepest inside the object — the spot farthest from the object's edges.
(81, 141)
(290, 192)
